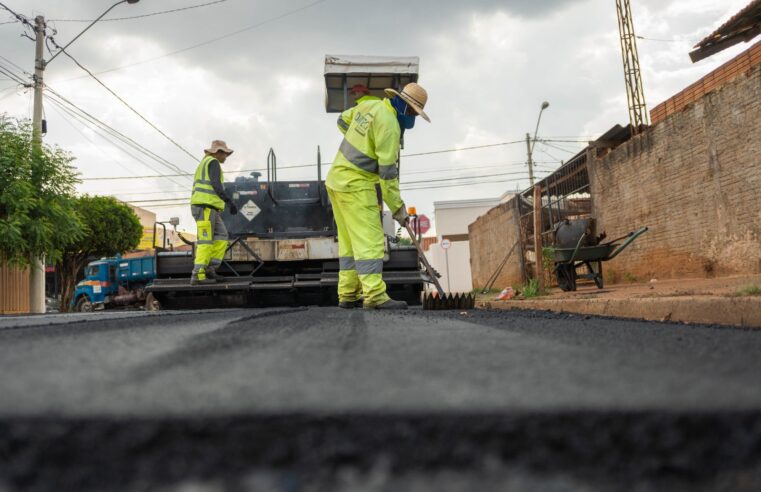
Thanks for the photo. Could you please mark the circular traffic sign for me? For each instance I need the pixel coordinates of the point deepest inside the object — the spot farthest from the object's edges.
(446, 244)
(421, 224)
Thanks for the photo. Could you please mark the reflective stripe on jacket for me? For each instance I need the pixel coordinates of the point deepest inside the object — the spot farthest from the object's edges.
(203, 191)
(369, 151)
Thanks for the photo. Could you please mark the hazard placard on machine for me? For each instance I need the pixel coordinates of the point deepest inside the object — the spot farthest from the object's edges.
(250, 210)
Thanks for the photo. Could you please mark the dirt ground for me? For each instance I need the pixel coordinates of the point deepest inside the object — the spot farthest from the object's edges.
(654, 288)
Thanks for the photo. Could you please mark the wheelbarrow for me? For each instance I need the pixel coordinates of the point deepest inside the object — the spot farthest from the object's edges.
(567, 260)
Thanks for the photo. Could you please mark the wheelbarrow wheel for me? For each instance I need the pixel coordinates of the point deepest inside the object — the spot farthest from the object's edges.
(566, 275)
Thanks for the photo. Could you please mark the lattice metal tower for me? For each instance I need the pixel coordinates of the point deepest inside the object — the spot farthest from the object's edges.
(635, 94)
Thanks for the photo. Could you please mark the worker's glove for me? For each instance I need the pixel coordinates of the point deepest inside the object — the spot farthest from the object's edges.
(233, 208)
(402, 216)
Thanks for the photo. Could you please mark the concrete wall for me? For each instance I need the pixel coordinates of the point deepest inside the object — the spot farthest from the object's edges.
(491, 236)
(452, 219)
(455, 278)
(694, 179)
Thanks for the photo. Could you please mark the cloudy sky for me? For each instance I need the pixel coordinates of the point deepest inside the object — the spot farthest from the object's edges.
(487, 66)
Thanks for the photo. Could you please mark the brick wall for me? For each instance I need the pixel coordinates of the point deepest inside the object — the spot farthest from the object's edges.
(714, 80)
(695, 179)
(491, 236)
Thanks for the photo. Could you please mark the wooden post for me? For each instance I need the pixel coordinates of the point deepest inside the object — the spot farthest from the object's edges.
(538, 236)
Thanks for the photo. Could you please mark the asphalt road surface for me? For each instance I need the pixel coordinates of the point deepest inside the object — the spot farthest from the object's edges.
(327, 399)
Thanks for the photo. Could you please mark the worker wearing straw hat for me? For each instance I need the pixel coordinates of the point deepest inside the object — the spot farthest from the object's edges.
(368, 156)
(206, 204)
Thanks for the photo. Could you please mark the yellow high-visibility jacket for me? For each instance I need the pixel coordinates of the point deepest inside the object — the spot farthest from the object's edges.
(369, 151)
(203, 190)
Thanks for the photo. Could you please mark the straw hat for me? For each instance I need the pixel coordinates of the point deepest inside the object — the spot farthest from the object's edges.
(216, 146)
(415, 96)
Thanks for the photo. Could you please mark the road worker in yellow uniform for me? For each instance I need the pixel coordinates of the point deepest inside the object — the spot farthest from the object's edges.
(206, 204)
(368, 156)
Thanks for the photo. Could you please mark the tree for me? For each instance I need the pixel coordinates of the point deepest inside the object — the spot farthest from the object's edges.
(37, 215)
(110, 227)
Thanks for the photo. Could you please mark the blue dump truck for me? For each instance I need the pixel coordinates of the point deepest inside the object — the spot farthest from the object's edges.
(111, 282)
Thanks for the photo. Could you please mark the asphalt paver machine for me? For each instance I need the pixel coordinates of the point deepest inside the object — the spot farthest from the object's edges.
(283, 242)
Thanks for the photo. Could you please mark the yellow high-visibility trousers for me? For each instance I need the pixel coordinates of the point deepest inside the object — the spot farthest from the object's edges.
(211, 242)
(360, 246)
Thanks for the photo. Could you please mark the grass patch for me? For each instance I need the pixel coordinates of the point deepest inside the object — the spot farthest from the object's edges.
(629, 277)
(748, 290)
(531, 289)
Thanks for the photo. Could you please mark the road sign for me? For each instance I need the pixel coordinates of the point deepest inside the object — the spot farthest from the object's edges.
(421, 224)
(446, 244)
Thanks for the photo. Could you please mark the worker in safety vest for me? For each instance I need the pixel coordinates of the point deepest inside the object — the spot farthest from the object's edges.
(206, 204)
(368, 156)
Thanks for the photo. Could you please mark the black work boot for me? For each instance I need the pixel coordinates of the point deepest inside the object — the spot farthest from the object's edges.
(351, 304)
(391, 304)
(200, 278)
(211, 272)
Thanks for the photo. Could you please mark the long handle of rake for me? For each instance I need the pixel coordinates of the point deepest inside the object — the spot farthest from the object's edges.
(493, 278)
(428, 268)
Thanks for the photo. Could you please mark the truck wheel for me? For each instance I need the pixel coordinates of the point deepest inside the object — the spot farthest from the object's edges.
(151, 303)
(83, 305)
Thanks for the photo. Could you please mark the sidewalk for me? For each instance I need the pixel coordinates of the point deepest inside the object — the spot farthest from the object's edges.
(699, 300)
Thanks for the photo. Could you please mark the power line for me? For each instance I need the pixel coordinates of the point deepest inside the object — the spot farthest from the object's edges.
(106, 135)
(124, 102)
(82, 115)
(143, 15)
(179, 202)
(557, 147)
(455, 178)
(464, 168)
(9, 71)
(61, 112)
(113, 133)
(457, 149)
(17, 66)
(213, 40)
(19, 17)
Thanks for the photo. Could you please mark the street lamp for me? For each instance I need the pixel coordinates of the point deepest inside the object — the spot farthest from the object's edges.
(37, 274)
(89, 26)
(530, 144)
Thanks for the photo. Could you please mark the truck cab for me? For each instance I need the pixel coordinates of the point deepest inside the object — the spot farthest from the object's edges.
(115, 281)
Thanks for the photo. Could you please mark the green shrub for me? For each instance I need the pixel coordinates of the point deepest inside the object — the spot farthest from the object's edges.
(748, 290)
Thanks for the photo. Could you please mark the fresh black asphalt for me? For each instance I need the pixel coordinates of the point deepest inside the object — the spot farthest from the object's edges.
(329, 399)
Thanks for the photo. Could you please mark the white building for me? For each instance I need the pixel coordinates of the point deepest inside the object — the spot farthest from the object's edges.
(452, 219)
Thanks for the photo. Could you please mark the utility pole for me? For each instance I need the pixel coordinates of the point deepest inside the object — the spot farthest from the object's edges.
(529, 161)
(37, 273)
